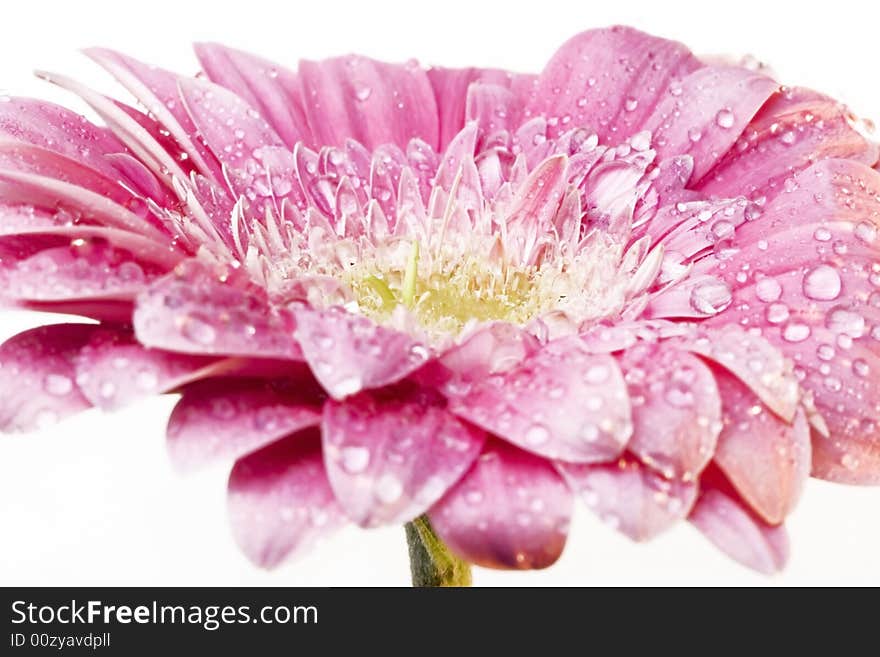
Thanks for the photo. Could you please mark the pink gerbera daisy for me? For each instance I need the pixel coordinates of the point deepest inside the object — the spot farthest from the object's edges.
(460, 299)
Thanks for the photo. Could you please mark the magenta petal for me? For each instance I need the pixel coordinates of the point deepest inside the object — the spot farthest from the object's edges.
(630, 497)
(766, 459)
(389, 458)
(609, 80)
(38, 377)
(561, 403)
(707, 113)
(213, 423)
(280, 502)
(349, 353)
(676, 409)
(739, 533)
(272, 90)
(511, 510)
(113, 369)
(370, 101)
(194, 310)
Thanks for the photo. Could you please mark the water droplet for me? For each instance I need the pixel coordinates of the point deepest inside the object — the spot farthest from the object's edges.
(363, 92)
(725, 119)
(846, 322)
(537, 434)
(631, 104)
(355, 459)
(388, 489)
(768, 290)
(777, 313)
(861, 368)
(796, 332)
(596, 374)
(866, 232)
(822, 235)
(822, 283)
(58, 384)
(710, 297)
(197, 330)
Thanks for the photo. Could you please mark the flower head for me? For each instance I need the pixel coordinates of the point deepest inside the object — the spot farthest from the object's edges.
(638, 278)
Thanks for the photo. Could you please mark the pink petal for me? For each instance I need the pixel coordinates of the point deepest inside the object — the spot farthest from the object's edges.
(113, 369)
(157, 90)
(21, 187)
(511, 510)
(390, 457)
(561, 403)
(349, 353)
(57, 129)
(707, 114)
(630, 497)
(739, 533)
(676, 409)
(609, 80)
(37, 376)
(198, 311)
(82, 270)
(35, 223)
(755, 362)
(230, 127)
(214, 422)
(372, 102)
(794, 129)
(814, 296)
(280, 502)
(767, 460)
(451, 86)
(272, 90)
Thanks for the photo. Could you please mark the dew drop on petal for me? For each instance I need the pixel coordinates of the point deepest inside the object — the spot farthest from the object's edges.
(725, 119)
(355, 459)
(710, 297)
(388, 489)
(537, 434)
(822, 283)
(796, 332)
(58, 384)
(768, 289)
(845, 322)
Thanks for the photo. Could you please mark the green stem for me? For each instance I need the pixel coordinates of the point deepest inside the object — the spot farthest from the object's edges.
(431, 562)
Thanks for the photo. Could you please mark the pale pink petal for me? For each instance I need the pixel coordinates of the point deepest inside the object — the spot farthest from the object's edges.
(113, 369)
(349, 353)
(511, 510)
(707, 113)
(280, 502)
(676, 409)
(38, 378)
(561, 403)
(199, 311)
(370, 101)
(228, 420)
(271, 89)
(794, 129)
(609, 80)
(391, 456)
(766, 459)
(631, 497)
(739, 533)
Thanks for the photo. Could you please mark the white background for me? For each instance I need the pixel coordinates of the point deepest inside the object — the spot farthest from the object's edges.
(94, 501)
